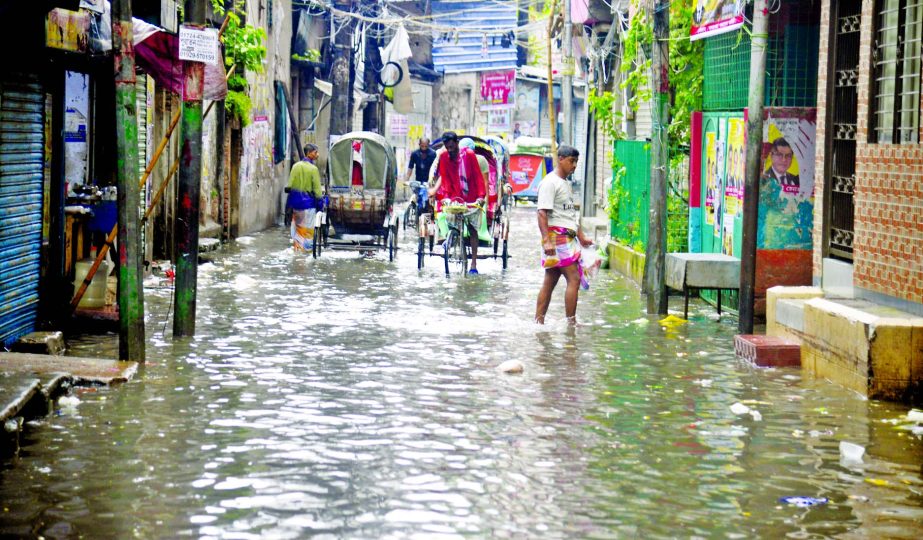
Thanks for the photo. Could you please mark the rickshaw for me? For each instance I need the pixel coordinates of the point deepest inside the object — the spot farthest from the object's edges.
(361, 182)
(529, 163)
(498, 220)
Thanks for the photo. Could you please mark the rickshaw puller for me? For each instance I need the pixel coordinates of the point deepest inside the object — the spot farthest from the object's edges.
(459, 177)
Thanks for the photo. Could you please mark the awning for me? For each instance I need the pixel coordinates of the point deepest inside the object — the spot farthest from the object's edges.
(157, 53)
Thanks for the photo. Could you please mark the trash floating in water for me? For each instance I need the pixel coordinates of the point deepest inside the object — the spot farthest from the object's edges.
(68, 402)
(915, 415)
(671, 321)
(851, 452)
(511, 366)
(804, 502)
(642, 320)
(739, 408)
(877, 482)
(757, 417)
(704, 383)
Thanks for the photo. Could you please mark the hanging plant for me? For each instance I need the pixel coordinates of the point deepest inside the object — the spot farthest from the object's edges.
(244, 50)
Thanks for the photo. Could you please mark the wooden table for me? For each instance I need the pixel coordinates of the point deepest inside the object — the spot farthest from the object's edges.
(75, 236)
(697, 271)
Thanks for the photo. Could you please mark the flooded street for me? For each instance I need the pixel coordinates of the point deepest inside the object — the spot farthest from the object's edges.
(351, 397)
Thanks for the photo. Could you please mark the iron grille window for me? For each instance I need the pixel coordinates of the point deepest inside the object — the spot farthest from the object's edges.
(897, 60)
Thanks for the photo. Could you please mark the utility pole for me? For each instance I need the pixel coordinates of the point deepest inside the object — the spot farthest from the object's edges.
(186, 223)
(552, 117)
(567, 79)
(341, 103)
(655, 254)
(370, 115)
(759, 43)
(131, 290)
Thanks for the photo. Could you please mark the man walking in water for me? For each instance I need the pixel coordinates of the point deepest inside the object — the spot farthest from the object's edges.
(561, 235)
(305, 193)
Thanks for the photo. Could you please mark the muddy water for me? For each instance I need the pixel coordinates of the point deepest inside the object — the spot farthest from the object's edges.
(350, 397)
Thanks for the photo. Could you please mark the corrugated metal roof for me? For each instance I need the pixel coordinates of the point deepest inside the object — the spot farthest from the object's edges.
(462, 51)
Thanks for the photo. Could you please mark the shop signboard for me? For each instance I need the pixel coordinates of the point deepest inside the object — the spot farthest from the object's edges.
(714, 17)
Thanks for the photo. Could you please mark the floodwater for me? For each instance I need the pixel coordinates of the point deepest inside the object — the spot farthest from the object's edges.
(350, 397)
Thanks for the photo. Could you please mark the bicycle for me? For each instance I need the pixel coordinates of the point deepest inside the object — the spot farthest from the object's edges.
(417, 205)
(461, 216)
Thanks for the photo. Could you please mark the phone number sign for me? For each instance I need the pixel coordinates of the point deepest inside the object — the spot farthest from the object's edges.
(199, 44)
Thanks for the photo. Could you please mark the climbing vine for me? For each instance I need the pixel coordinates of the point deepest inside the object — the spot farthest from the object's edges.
(244, 48)
(686, 82)
(687, 63)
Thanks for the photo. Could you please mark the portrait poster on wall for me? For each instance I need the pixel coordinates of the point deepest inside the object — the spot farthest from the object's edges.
(786, 215)
(711, 176)
(736, 166)
(720, 170)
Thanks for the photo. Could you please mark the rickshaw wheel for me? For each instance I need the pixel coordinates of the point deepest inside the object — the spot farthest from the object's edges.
(318, 235)
(421, 256)
(392, 242)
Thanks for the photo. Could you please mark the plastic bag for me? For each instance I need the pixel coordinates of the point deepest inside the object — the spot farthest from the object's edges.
(590, 262)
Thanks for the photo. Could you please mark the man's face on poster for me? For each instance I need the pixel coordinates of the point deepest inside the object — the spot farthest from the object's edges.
(782, 158)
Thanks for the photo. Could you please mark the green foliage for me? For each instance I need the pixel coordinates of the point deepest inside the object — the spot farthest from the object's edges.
(636, 63)
(687, 68)
(311, 55)
(620, 197)
(618, 193)
(244, 48)
(602, 107)
(687, 63)
(238, 83)
(238, 104)
(243, 45)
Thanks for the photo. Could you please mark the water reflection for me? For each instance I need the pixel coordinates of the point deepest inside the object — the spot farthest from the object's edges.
(351, 397)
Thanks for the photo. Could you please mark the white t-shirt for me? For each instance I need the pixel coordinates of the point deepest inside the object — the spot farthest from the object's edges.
(556, 195)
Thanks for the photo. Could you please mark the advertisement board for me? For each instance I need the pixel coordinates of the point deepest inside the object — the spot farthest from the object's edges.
(714, 17)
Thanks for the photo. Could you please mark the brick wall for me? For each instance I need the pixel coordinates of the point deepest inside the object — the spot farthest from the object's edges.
(888, 245)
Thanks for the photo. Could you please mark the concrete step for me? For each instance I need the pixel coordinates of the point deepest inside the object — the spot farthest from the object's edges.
(790, 313)
(83, 371)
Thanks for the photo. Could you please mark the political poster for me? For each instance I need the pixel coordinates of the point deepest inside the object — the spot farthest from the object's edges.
(736, 166)
(498, 88)
(786, 218)
(714, 17)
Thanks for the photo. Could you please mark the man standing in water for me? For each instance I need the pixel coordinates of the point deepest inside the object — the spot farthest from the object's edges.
(561, 235)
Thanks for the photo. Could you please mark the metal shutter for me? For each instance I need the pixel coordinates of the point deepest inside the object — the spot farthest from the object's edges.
(21, 179)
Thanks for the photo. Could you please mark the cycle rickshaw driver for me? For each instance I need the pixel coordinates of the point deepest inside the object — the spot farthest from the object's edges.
(459, 178)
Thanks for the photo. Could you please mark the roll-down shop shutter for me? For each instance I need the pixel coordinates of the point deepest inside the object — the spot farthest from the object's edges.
(21, 181)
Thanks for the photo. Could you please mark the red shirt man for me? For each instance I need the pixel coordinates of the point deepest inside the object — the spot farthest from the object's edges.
(459, 173)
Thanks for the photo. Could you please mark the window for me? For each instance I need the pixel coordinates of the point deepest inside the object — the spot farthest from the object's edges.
(896, 57)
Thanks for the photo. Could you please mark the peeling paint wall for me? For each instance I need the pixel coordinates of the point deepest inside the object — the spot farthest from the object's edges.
(208, 194)
(260, 181)
(454, 109)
